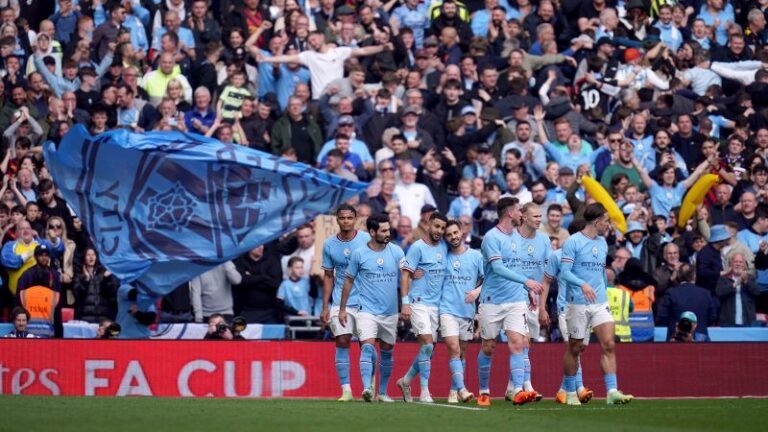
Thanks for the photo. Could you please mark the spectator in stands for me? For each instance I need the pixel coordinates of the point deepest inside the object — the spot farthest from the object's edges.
(19, 255)
(95, 290)
(667, 274)
(302, 244)
(687, 296)
(211, 292)
(737, 291)
(709, 262)
(20, 318)
(51, 205)
(552, 226)
(412, 195)
(293, 293)
(722, 210)
(299, 131)
(256, 295)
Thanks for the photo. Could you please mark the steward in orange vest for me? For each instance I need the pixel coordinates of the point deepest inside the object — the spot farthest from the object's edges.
(39, 292)
(641, 287)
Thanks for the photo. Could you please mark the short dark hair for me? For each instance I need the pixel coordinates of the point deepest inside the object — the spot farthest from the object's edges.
(439, 216)
(686, 273)
(555, 207)
(375, 220)
(335, 153)
(452, 222)
(18, 310)
(346, 207)
(294, 260)
(593, 212)
(504, 204)
(45, 185)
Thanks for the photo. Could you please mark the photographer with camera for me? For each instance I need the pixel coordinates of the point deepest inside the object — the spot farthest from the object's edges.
(108, 329)
(218, 329)
(686, 298)
(685, 329)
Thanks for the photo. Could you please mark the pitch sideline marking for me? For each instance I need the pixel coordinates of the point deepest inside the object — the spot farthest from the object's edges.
(450, 406)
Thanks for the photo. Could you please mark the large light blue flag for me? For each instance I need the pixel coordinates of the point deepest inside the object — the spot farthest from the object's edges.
(163, 207)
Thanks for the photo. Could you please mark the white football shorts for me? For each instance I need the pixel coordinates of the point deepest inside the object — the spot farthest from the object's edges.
(424, 320)
(506, 316)
(451, 325)
(383, 327)
(337, 329)
(581, 318)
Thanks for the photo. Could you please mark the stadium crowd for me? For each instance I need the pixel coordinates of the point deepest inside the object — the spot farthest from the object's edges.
(441, 105)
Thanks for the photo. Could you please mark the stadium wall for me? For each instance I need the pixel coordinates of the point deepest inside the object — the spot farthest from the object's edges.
(306, 369)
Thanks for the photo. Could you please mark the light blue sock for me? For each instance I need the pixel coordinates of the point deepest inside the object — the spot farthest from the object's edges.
(464, 364)
(425, 364)
(367, 353)
(570, 383)
(413, 370)
(457, 374)
(526, 366)
(374, 362)
(562, 383)
(483, 370)
(517, 366)
(385, 369)
(342, 365)
(610, 382)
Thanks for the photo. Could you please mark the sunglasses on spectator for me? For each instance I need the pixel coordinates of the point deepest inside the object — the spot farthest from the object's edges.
(57, 226)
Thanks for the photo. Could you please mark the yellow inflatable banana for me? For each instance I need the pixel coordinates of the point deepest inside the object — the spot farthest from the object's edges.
(695, 196)
(598, 192)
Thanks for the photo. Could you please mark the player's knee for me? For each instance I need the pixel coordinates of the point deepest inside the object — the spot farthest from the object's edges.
(575, 348)
(488, 347)
(609, 346)
(516, 347)
(343, 341)
(428, 349)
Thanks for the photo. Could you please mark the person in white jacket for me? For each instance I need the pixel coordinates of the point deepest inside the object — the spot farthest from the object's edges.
(211, 292)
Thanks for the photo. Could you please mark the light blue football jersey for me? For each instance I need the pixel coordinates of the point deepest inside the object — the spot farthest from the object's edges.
(295, 294)
(430, 259)
(497, 289)
(377, 276)
(585, 258)
(336, 253)
(530, 256)
(463, 272)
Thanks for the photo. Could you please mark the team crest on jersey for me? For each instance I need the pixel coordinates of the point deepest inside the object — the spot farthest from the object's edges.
(456, 264)
(380, 261)
(347, 251)
(530, 249)
(439, 256)
(594, 251)
(513, 246)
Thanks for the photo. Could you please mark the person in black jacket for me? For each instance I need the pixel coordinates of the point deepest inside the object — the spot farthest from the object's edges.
(709, 263)
(687, 296)
(95, 290)
(438, 172)
(255, 299)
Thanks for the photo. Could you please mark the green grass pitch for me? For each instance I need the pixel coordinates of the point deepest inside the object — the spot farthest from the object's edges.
(102, 414)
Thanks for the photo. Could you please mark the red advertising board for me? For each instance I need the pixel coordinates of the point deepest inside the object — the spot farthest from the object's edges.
(306, 369)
